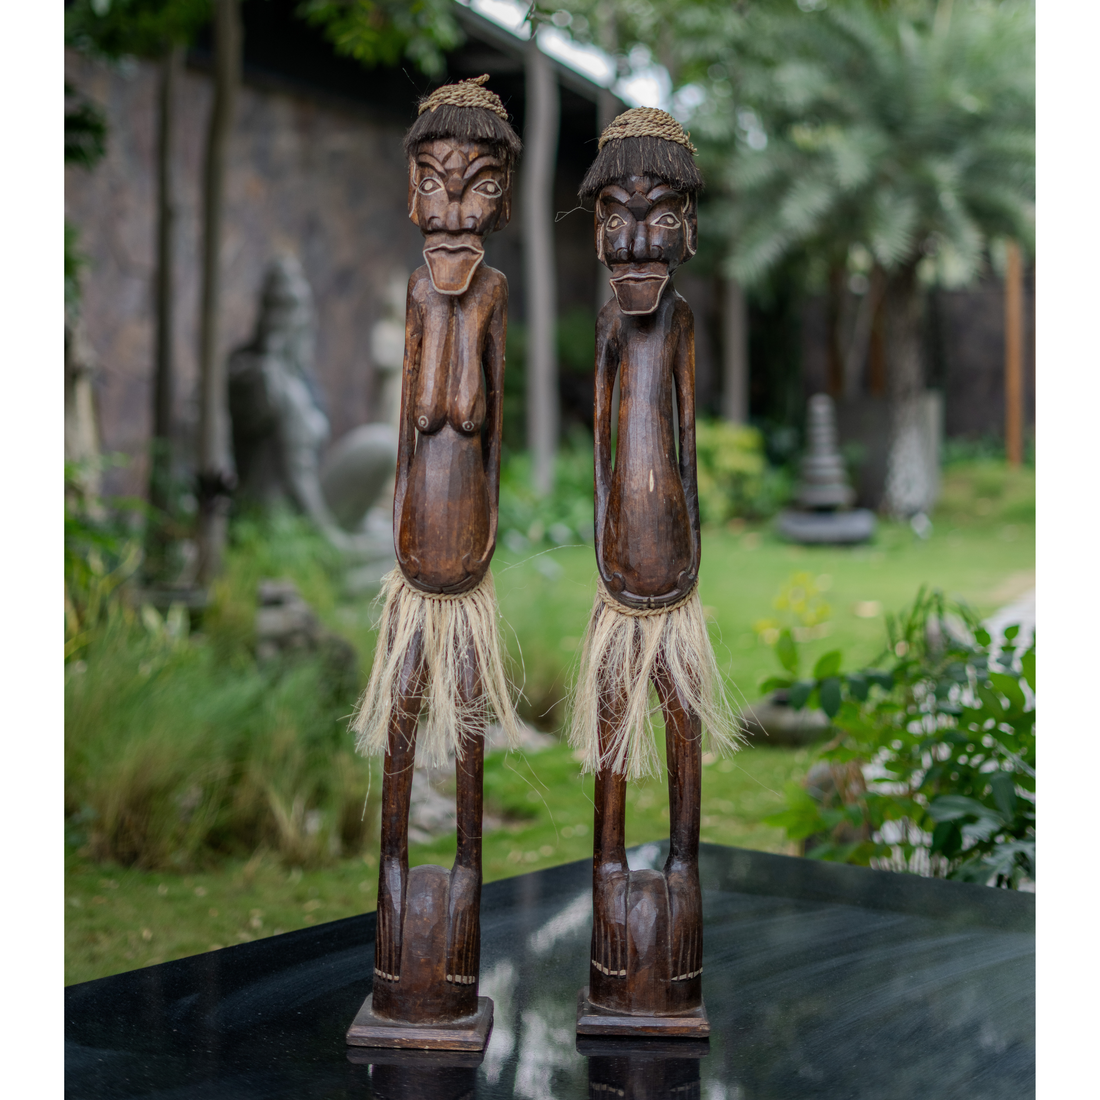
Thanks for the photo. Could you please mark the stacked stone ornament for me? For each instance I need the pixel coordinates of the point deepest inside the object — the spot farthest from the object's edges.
(825, 497)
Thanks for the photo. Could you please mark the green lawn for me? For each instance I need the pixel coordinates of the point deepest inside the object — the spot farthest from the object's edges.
(119, 918)
(981, 548)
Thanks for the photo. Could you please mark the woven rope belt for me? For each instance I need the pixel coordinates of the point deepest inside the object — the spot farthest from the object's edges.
(642, 612)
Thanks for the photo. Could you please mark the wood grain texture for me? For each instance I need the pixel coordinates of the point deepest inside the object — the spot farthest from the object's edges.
(428, 933)
(594, 1021)
(647, 934)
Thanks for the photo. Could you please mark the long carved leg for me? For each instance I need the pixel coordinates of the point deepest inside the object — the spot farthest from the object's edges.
(609, 876)
(464, 924)
(397, 773)
(683, 739)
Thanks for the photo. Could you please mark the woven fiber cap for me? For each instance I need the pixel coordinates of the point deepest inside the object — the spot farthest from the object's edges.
(466, 93)
(646, 122)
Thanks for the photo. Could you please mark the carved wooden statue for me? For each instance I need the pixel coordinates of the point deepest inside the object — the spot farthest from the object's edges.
(647, 626)
(438, 644)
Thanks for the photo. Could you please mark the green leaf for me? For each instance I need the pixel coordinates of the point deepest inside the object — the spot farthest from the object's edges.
(858, 687)
(981, 636)
(1011, 632)
(775, 683)
(1004, 793)
(787, 651)
(830, 696)
(1027, 663)
(827, 665)
(954, 807)
(1010, 688)
(884, 680)
(799, 693)
(946, 838)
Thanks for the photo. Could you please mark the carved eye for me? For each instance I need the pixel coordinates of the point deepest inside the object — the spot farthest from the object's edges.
(488, 187)
(615, 222)
(429, 186)
(668, 221)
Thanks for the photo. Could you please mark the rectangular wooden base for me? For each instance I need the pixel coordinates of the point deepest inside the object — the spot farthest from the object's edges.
(593, 1020)
(469, 1033)
(416, 1059)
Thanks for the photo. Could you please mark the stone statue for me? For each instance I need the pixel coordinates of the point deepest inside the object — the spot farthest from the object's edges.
(280, 425)
(647, 626)
(438, 646)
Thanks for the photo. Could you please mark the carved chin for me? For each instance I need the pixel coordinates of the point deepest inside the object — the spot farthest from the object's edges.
(638, 294)
(451, 268)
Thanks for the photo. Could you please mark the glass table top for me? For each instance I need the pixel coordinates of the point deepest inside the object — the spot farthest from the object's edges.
(820, 981)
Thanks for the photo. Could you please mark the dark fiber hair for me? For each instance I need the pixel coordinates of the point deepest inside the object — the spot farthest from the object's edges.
(621, 158)
(464, 124)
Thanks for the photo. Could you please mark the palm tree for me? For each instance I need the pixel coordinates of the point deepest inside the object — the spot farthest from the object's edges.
(894, 139)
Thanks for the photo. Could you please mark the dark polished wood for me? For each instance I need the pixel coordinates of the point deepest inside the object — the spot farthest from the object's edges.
(647, 929)
(428, 935)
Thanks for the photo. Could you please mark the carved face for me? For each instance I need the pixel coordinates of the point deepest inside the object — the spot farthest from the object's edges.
(459, 192)
(645, 229)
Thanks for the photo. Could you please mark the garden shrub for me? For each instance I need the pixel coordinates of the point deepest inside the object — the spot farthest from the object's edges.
(942, 731)
(735, 478)
(180, 748)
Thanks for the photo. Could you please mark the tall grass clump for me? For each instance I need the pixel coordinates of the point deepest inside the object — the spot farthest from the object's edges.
(180, 748)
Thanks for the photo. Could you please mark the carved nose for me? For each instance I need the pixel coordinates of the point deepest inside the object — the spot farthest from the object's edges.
(453, 220)
(639, 245)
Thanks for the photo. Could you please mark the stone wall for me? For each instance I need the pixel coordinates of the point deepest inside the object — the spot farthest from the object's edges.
(323, 181)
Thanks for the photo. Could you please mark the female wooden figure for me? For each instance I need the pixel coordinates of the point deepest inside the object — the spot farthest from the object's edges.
(438, 642)
(647, 625)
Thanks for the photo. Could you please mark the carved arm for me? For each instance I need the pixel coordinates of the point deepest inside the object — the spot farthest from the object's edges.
(406, 440)
(684, 372)
(494, 410)
(607, 366)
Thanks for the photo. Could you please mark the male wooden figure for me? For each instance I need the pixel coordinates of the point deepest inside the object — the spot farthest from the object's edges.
(647, 625)
(438, 642)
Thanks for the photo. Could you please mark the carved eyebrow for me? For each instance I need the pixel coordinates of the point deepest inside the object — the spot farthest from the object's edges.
(426, 160)
(661, 191)
(487, 161)
(613, 193)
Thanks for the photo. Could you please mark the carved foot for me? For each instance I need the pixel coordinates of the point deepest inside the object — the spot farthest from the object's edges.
(464, 927)
(609, 923)
(685, 904)
(387, 939)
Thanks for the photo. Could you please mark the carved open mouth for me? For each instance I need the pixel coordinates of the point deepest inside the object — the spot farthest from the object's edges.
(451, 265)
(638, 289)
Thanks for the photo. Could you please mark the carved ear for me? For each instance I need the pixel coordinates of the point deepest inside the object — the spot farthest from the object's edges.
(691, 225)
(412, 193)
(505, 215)
(599, 219)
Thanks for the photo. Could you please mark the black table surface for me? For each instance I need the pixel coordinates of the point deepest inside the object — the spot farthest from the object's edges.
(820, 981)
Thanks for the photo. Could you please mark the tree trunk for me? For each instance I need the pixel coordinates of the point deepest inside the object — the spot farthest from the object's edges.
(215, 460)
(735, 354)
(910, 466)
(541, 141)
(856, 353)
(1014, 358)
(161, 457)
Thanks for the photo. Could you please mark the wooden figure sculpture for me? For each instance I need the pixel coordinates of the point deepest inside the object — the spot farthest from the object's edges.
(647, 626)
(438, 642)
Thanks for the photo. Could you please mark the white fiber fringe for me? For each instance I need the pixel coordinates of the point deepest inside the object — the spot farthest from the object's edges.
(622, 650)
(451, 625)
